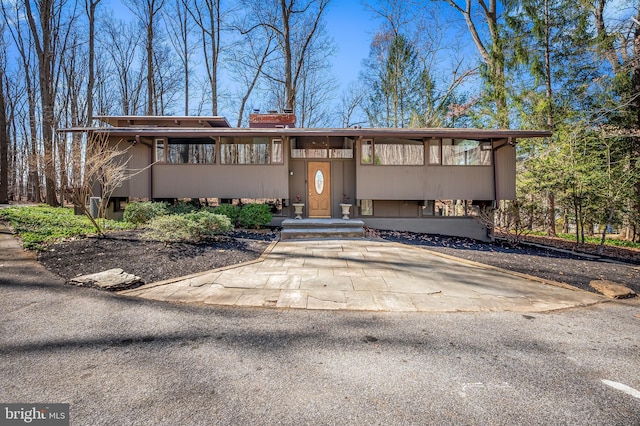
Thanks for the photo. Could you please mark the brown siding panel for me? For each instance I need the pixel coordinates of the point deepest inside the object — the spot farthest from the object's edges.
(424, 182)
(506, 173)
(233, 181)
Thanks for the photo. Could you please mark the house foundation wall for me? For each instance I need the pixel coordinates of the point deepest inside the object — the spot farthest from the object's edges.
(465, 227)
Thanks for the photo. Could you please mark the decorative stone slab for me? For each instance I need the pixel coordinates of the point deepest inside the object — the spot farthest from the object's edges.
(112, 279)
(612, 290)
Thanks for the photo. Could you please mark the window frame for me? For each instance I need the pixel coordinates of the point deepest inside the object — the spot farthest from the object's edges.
(272, 154)
(376, 161)
(163, 142)
(479, 150)
(193, 142)
(238, 140)
(430, 160)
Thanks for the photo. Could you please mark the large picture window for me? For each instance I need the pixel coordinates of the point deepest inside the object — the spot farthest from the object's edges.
(393, 152)
(244, 150)
(465, 152)
(191, 151)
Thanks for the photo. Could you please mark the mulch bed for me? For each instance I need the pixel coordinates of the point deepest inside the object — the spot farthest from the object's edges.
(153, 261)
(620, 266)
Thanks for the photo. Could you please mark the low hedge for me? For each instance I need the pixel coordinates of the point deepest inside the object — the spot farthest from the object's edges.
(187, 227)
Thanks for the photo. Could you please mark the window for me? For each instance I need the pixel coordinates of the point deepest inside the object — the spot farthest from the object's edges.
(191, 151)
(465, 152)
(434, 151)
(366, 207)
(245, 150)
(159, 149)
(367, 151)
(393, 152)
(277, 156)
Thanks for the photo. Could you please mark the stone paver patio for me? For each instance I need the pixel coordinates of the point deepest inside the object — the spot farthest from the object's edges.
(366, 275)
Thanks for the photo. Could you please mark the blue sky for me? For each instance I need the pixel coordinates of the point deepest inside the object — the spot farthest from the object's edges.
(352, 28)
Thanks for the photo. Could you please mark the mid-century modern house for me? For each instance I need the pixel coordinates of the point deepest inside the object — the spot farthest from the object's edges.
(417, 179)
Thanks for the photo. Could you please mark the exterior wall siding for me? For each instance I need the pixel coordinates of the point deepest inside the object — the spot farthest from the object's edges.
(137, 186)
(424, 182)
(221, 181)
(349, 177)
(506, 173)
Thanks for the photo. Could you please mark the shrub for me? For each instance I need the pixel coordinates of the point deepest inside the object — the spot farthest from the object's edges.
(143, 212)
(255, 215)
(208, 223)
(182, 207)
(186, 227)
(229, 210)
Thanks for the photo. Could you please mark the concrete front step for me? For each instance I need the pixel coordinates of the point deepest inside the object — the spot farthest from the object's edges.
(290, 234)
(321, 228)
(322, 223)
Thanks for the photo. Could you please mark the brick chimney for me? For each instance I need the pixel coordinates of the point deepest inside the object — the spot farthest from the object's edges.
(272, 119)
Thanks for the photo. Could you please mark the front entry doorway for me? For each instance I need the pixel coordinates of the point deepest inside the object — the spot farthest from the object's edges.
(319, 186)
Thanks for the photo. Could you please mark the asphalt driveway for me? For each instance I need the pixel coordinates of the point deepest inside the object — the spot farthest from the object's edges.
(120, 360)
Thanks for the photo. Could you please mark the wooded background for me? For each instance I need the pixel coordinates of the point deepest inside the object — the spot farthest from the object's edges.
(568, 66)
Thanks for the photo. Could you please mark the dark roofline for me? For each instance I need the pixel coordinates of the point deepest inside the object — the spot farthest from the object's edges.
(213, 121)
(362, 132)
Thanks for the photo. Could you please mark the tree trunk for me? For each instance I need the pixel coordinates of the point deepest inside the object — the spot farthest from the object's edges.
(4, 146)
(43, 42)
(91, 14)
(551, 215)
(150, 73)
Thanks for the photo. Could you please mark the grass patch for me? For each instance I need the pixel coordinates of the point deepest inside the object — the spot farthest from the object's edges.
(592, 240)
(38, 226)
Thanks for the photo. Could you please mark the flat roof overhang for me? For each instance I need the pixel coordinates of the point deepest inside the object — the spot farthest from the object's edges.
(162, 121)
(421, 133)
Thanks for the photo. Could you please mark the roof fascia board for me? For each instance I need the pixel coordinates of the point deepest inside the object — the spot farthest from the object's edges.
(292, 132)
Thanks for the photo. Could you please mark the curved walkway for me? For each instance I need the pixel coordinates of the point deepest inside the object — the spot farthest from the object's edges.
(366, 275)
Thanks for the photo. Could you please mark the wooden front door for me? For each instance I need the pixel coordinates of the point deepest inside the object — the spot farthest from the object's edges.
(319, 185)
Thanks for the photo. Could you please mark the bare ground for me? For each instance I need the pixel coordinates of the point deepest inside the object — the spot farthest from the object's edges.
(153, 261)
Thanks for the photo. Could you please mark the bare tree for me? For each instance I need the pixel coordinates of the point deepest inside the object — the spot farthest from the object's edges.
(121, 43)
(105, 168)
(73, 106)
(296, 25)
(90, 8)
(168, 81)
(147, 11)
(250, 57)
(50, 26)
(208, 16)
(24, 46)
(179, 28)
(4, 135)
(351, 101)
